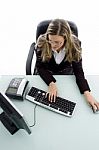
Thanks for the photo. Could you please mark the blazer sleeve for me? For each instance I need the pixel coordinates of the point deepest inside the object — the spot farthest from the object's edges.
(44, 73)
(80, 77)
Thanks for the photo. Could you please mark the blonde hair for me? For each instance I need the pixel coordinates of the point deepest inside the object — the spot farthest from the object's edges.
(72, 44)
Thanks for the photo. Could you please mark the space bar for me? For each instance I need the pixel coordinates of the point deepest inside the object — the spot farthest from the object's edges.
(53, 106)
(50, 105)
(45, 103)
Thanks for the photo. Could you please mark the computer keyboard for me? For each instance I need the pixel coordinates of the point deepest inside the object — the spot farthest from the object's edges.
(61, 105)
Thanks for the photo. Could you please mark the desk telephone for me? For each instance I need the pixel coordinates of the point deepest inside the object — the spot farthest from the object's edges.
(16, 88)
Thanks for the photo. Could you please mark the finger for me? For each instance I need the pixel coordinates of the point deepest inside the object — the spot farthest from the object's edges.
(54, 98)
(46, 95)
(94, 107)
(97, 106)
(51, 98)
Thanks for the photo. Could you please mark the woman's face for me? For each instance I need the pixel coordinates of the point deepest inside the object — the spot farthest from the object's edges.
(56, 42)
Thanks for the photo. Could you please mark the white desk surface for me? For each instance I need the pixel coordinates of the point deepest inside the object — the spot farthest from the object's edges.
(53, 131)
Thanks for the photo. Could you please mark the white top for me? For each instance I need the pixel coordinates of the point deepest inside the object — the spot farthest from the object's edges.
(59, 56)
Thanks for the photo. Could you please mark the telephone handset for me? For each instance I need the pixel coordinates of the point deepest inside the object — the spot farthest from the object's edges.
(16, 88)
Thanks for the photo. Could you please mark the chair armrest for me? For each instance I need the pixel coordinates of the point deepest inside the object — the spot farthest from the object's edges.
(29, 59)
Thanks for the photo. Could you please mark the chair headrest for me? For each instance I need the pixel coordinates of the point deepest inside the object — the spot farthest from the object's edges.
(43, 25)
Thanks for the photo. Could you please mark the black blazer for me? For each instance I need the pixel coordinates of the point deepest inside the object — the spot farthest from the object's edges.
(47, 69)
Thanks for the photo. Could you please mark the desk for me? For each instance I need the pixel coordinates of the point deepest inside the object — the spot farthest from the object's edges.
(53, 131)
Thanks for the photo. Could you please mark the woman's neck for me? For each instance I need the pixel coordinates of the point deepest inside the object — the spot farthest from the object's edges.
(58, 50)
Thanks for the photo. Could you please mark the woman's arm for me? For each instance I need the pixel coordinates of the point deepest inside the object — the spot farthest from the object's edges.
(80, 77)
(45, 74)
(47, 77)
(83, 84)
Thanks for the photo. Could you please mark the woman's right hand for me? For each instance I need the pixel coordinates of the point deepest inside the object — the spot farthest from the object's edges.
(52, 92)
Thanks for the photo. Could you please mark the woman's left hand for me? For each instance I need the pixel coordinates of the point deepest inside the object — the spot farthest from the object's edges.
(91, 100)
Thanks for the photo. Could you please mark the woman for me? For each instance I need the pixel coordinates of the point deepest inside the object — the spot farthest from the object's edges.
(59, 52)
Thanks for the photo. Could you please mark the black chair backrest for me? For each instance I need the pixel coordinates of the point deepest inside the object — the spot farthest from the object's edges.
(42, 27)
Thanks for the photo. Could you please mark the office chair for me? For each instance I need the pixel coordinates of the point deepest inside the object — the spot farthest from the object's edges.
(41, 29)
